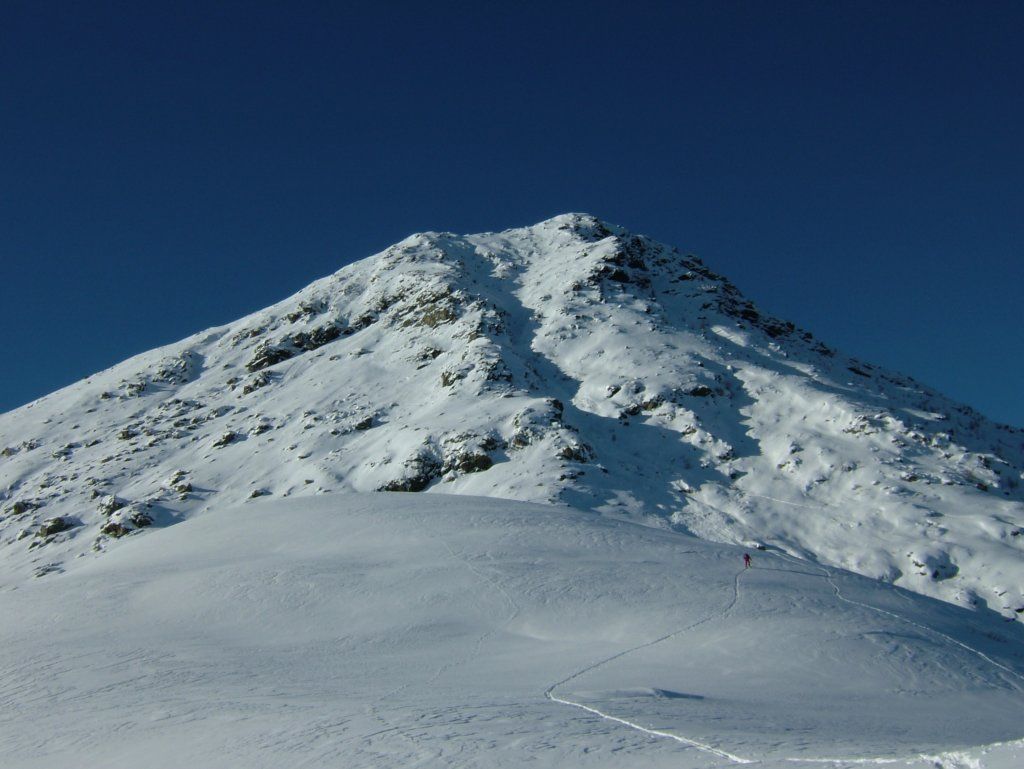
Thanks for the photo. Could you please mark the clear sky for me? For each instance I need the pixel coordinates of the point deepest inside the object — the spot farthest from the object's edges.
(856, 167)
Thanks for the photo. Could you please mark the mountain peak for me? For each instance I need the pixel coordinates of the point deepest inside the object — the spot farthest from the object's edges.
(569, 362)
(583, 224)
(585, 227)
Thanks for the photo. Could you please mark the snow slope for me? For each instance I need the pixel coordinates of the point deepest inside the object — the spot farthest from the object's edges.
(569, 362)
(398, 630)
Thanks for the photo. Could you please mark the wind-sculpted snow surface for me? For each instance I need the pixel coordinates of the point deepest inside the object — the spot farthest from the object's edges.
(388, 630)
(569, 362)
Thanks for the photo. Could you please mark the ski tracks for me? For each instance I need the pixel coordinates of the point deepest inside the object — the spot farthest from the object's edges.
(932, 760)
(550, 692)
(657, 733)
(827, 574)
(718, 752)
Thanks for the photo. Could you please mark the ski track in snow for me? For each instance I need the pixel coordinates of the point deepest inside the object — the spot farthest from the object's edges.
(839, 594)
(657, 733)
(936, 760)
(632, 725)
(783, 501)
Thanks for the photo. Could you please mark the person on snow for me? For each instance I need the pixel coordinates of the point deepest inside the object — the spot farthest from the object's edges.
(746, 560)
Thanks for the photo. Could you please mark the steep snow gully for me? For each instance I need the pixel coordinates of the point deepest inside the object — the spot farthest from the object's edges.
(828, 576)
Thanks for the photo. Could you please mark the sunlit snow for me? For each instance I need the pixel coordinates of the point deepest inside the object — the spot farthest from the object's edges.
(192, 572)
(395, 630)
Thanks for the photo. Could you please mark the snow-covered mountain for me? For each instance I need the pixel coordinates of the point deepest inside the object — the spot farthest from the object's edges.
(568, 362)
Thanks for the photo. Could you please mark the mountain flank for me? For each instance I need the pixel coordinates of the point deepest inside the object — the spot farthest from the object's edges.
(570, 362)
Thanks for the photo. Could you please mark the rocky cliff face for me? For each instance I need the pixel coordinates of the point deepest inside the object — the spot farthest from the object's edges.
(569, 362)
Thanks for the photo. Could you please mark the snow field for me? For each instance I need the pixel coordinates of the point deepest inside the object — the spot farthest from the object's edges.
(423, 630)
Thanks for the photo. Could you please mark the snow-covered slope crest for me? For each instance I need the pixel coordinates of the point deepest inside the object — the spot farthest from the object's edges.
(398, 630)
(569, 362)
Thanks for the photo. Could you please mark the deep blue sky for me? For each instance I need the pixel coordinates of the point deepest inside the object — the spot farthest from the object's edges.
(855, 167)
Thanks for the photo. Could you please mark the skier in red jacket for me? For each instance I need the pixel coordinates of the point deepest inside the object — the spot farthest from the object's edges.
(746, 560)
